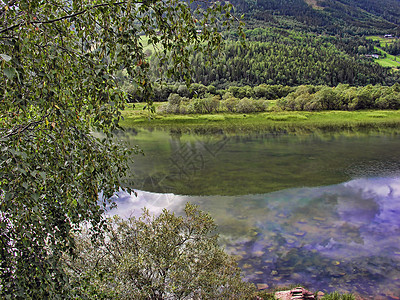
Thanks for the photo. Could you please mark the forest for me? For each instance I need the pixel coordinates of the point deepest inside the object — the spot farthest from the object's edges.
(325, 16)
(277, 56)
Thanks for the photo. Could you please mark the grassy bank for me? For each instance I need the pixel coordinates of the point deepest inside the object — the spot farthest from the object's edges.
(324, 119)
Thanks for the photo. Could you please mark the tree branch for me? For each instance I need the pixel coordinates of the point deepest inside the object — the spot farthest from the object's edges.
(64, 17)
(22, 128)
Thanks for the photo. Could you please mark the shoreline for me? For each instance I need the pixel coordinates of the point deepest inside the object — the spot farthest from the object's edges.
(282, 120)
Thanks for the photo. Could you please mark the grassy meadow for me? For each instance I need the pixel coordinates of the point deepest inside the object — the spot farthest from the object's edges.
(140, 116)
(389, 61)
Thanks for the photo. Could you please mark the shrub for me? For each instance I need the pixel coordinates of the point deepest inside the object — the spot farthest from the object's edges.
(183, 91)
(391, 101)
(211, 104)
(328, 99)
(198, 89)
(301, 101)
(164, 257)
(167, 108)
(363, 100)
(227, 95)
(261, 105)
(230, 104)
(313, 105)
(174, 99)
(162, 108)
(184, 108)
(208, 105)
(247, 105)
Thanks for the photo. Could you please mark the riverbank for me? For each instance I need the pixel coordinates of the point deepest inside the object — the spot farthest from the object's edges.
(266, 120)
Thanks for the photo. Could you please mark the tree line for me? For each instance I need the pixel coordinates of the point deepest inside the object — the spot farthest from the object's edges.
(342, 97)
(256, 99)
(162, 92)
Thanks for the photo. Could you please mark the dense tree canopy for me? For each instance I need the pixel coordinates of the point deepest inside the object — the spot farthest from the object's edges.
(163, 257)
(354, 17)
(288, 57)
(58, 62)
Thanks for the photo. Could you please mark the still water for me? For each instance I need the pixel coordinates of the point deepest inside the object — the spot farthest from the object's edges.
(321, 209)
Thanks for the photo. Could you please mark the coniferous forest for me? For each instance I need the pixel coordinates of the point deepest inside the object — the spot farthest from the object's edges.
(297, 43)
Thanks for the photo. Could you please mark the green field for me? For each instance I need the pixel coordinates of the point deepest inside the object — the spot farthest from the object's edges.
(390, 61)
(382, 40)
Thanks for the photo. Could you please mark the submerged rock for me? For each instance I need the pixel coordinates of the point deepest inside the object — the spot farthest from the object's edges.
(298, 293)
(262, 286)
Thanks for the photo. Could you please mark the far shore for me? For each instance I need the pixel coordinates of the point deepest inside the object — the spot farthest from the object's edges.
(378, 119)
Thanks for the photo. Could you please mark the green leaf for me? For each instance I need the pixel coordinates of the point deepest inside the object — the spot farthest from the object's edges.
(5, 57)
(10, 72)
(8, 196)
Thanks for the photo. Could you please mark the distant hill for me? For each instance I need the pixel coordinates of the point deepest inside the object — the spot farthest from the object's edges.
(329, 16)
(305, 42)
(289, 57)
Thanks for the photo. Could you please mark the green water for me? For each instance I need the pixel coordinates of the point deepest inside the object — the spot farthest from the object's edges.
(238, 164)
(319, 208)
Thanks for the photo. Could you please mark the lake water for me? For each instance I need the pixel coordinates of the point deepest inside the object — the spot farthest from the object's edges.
(321, 209)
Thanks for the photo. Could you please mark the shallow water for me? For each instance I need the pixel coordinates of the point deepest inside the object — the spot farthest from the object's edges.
(221, 164)
(317, 209)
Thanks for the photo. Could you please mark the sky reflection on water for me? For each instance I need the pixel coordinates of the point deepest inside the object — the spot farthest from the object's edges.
(342, 237)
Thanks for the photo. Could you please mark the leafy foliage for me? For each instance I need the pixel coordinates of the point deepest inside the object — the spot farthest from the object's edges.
(342, 97)
(58, 61)
(337, 296)
(211, 104)
(164, 257)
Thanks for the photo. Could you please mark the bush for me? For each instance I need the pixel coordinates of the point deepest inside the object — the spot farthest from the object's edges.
(206, 105)
(164, 257)
(328, 99)
(184, 107)
(363, 99)
(247, 105)
(230, 104)
(183, 91)
(261, 105)
(162, 108)
(198, 89)
(300, 99)
(391, 101)
(174, 99)
(313, 105)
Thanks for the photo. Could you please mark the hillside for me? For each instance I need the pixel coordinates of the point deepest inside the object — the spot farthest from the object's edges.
(328, 16)
(288, 57)
(300, 42)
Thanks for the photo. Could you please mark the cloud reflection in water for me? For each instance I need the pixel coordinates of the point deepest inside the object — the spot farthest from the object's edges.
(344, 236)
